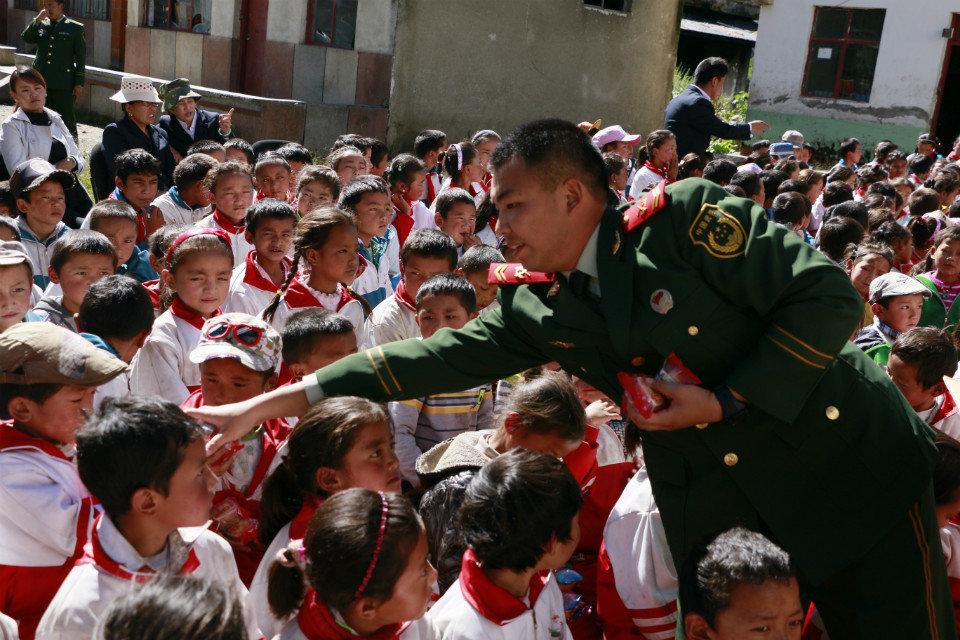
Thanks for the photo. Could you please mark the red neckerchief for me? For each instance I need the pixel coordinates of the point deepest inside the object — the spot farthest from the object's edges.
(298, 526)
(226, 223)
(361, 265)
(657, 170)
(860, 191)
(492, 602)
(432, 186)
(473, 191)
(403, 223)
(403, 297)
(948, 406)
(13, 438)
(582, 461)
(316, 621)
(253, 277)
(299, 296)
(141, 223)
(486, 180)
(153, 290)
(182, 311)
(93, 553)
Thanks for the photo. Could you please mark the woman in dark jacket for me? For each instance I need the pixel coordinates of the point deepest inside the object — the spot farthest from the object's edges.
(138, 128)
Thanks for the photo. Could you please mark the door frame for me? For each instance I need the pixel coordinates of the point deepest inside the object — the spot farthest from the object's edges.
(954, 41)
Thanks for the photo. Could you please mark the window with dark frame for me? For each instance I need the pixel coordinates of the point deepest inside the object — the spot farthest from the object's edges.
(332, 23)
(620, 6)
(179, 15)
(843, 51)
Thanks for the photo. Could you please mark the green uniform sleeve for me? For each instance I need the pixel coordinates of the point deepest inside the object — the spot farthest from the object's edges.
(31, 35)
(79, 56)
(810, 306)
(484, 350)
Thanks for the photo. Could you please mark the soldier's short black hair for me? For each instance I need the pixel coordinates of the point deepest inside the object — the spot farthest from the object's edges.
(448, 284)
(478, 258)
(748, 181)
(790, 208)
(720, 171)
(268, 209)
(240, 145)
(80, 241)
(427, 141)
(132, 443)
(205, 146)
(303, 328)
(191, 170)
(712, 572)
(430, 243)
(555, 150)
(848, 146)
(116, 307)
(136, 161)
(294, 152)
(496, 519)
(931, 350)
(709, 69)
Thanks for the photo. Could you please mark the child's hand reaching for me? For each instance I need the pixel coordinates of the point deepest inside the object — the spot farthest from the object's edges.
(602, 411)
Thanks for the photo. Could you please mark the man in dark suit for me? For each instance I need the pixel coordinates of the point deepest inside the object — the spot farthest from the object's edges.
(185, 123)
(691, 117)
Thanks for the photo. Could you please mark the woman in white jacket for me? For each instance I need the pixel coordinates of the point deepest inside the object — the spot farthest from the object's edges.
(34, 131)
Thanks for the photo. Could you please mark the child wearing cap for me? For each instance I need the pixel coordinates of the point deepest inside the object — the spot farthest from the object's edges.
(79, 259)
(188, 200)
(48, 376)
(617, 140)
(116, 315)
(16, 285)
(118, 221)
(921, 360)
(896, 300)
(238, 356)
(231, 190)
(445, 300)
(40, 189)
(144, 460)
(256, 281)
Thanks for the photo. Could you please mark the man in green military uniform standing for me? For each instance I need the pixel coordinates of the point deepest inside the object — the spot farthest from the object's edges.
(792, 431)
(61, 55)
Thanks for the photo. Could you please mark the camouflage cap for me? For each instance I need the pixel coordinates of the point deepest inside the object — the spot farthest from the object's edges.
(44, 353)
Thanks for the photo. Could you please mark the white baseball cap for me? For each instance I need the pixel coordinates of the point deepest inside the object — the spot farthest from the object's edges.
(616, 133)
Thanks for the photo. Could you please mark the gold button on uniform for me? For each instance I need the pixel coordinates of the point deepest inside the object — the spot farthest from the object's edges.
(638, 361)
(731, 459)
(703, 425)
(832, 413)
(693, 329)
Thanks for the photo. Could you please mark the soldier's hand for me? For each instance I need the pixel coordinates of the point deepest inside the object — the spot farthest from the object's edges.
(78, 91)
(42, 15)
(686, 405)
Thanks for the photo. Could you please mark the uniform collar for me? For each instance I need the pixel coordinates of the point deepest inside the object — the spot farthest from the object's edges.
(13, 438)
(588, 258)
(110, 551)
(701, 92)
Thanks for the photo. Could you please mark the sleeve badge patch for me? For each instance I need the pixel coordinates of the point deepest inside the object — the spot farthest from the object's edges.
(717, 231)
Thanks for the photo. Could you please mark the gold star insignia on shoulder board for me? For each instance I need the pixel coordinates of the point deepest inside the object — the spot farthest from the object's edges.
(520, 273)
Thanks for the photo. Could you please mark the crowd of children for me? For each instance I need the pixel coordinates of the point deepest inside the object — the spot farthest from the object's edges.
(516, 509)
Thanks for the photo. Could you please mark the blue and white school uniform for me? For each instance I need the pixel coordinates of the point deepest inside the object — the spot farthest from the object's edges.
(39, 251)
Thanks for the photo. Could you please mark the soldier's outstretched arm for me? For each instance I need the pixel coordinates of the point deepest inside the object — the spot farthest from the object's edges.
(810, 306)
(31, 35)
(485, 350)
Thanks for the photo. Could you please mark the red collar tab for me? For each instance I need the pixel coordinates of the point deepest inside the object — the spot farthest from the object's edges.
(317, 622)
(254, 277)
(515, 273)
(403, 296)
(94, 553)
(182, 311)
(650, 203)
(196, 231)
(13, 438)
(492, 602)
(226, 223)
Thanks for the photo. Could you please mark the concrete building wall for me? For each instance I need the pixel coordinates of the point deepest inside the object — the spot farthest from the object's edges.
(463, 66)
(905, 82)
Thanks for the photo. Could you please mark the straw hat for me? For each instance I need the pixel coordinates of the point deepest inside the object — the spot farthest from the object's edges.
(136, 89)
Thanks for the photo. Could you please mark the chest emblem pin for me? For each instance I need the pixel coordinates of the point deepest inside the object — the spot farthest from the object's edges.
(661, 301)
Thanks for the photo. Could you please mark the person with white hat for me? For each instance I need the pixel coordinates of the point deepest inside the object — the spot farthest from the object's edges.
(615, 139)
(138, 128)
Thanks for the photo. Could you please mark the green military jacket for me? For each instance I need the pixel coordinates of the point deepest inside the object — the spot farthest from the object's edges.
(827, 451)
(61, 51)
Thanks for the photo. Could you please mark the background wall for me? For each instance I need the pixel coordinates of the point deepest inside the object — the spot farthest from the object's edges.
(538, 58)
(904, 86)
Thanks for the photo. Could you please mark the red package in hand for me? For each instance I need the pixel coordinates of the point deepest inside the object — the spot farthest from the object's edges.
(673, 370)
(637, 388)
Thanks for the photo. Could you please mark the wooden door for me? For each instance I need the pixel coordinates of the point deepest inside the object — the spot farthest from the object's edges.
(253, 39)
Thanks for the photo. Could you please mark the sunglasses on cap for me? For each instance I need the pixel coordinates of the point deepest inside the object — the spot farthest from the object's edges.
(243, 334)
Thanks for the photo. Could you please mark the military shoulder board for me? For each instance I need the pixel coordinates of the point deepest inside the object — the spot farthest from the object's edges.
(515, 273)
(650, 203)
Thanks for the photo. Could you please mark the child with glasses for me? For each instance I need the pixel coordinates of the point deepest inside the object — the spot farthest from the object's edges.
(238, 356)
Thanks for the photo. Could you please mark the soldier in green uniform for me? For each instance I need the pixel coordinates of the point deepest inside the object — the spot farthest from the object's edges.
(793, 431)
(61, 55)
